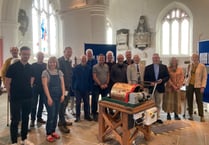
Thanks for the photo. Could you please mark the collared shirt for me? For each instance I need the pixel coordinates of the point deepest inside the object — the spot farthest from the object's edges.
(137, 67)
(156, 69)
(67, 59)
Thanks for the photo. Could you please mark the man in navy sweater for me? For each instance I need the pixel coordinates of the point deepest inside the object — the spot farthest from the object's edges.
(81, 85)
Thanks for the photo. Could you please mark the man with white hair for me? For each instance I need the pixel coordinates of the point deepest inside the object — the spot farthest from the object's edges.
(135, 71)
(38, 92)
(81, 80)
(196, 83)
(157, 74)
(118, 71)
(14, 52)
(128, 56)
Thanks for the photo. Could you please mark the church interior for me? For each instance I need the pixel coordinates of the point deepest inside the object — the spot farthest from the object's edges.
(171, 28)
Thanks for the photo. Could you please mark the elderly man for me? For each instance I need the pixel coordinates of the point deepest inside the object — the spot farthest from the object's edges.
(118, 71)
(196, 83)
(157, 73)
(81, 81)
(129, 59)
(38, 92)
(135, 71)
(14, 53)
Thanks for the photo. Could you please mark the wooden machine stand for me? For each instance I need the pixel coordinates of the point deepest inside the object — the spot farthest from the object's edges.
(118, 126)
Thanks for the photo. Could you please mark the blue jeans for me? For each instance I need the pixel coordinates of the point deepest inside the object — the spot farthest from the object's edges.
(85, 96)
(52, 116)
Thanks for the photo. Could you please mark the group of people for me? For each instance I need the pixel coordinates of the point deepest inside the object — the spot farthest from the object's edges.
(57, 80)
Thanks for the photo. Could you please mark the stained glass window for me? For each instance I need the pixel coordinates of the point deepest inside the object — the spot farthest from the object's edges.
(44, 27)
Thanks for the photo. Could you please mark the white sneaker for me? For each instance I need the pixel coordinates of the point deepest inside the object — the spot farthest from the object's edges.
(26, 142)
(14, 144)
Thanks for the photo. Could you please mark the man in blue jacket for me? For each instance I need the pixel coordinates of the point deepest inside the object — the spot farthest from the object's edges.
(81, 85)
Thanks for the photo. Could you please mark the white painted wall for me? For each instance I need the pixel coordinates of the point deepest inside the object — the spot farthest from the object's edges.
(125, 14)
(86, 25)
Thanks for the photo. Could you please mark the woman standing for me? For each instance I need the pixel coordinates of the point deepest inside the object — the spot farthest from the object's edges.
(54, 88)
(172, 98)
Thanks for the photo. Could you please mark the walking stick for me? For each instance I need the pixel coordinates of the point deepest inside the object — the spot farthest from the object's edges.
(8, 111)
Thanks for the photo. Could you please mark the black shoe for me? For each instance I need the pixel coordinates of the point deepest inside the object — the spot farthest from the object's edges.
(66, 124)
(32, 124)
(40, 120)
(77, 120)
(60, 124)
(191, 118)
(64, 129)
(95, 117)
(69, 123)
(88, 118)
(177, 117)
(159, 121)
(168, 116)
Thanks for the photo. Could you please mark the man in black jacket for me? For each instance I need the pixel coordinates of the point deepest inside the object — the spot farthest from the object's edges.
(65, 65)
(157, 73)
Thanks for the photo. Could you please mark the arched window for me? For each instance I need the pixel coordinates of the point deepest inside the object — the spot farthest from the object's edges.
(44, 27)
(174, 38)
(108, 32)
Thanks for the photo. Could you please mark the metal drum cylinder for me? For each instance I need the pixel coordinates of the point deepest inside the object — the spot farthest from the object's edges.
(121, 91)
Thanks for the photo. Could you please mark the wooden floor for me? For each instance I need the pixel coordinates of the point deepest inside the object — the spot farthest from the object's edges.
(86, 133)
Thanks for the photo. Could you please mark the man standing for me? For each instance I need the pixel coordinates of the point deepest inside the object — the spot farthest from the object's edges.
(129, 59)
(65, 65)
(18, 83)
(101, 80)
(14, 53)
(135, 71)
(38, 92)
(196, 83)
(118, 71)
(81, 81)
(110, 62)
(157, 73)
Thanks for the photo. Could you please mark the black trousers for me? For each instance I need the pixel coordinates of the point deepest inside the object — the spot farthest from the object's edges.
(19, 109)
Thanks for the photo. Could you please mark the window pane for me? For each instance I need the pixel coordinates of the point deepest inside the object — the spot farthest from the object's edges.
(35, 3)
(44, 34)
(108, 33)
(50, 9)
(165, 38)
(175, 38)
(35, 31)
(45, 5)
(177, 13)
(52, 35)
(41, 4)
(185, 37)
